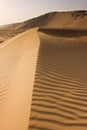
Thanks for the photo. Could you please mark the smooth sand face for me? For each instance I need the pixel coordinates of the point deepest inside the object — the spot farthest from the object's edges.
(18, 59)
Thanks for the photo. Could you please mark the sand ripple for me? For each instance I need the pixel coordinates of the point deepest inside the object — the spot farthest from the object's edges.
(59, 100)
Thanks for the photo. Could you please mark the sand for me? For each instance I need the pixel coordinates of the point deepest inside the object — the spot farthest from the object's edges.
(43, 80)
(18, 59)
(70, 19)
(59, 100)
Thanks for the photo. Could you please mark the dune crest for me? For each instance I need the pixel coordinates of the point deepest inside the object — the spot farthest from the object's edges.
(59, 100)
(70, 19)
(18, 58)
(43, 80)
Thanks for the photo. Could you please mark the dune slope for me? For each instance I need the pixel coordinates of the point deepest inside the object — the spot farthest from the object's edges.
(59, 100)
(70, 19)
(43, 80)
(18, 59)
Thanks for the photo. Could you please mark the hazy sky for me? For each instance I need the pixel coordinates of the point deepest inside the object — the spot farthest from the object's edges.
(19, 10)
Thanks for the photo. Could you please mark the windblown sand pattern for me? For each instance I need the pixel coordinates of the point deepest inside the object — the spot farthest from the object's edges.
(17, 69)
(9, 57)
(59, 100)
(53, 64)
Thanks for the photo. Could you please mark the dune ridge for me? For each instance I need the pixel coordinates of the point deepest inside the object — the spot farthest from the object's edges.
(43, 80)
(70, 19)
(18, 58)
(59, 99)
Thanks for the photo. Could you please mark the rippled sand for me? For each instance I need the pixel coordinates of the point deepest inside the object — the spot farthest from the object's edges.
(43, 80)
(59, 100)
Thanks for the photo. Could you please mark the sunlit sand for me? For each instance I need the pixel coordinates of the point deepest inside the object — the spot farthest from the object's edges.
(43, 79)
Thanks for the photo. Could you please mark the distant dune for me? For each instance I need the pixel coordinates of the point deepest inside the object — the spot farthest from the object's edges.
(73, 19)
(43, 73)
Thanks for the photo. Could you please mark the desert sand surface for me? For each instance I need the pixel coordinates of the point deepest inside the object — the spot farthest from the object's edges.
(43, 73)
(59, 100)
(18, 59)
(70, 19)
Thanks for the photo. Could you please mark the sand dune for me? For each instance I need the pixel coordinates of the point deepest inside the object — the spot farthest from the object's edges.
(71, 19)
(59, 100)
(43, 80)
(17, 69)
(64, 32)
